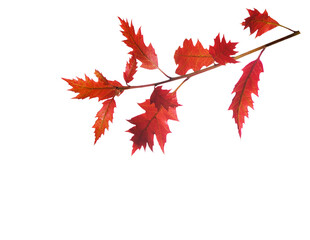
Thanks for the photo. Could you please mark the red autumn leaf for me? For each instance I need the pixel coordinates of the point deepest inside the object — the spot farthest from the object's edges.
(153, 122)
(163, 98)
(131, 69)
(222, 51)
(259, 22)
(103, 89)
(135, 41)
(104, 115)
(247, 84)
(191, 57)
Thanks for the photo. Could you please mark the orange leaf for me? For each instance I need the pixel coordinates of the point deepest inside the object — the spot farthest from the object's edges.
(191, 57)
(104, 115)
(259, 22)
(146, 55)
(221, 51)
(131, 69)
(153, 122)
(103, 89)
(247, 84)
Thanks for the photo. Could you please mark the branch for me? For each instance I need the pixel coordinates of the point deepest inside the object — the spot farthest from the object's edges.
(295, 33)
(189, 75)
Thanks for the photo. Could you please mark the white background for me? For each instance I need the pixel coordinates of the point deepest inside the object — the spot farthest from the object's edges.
(56, 184)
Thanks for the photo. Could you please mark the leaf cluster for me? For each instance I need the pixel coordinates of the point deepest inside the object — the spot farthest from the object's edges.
(191, 59)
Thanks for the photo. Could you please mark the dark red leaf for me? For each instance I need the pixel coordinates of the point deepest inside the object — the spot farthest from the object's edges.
(153, 121)
(222, 51)
(163, 98)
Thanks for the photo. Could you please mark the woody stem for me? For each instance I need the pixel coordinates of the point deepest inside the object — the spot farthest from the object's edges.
(267, 45)
(189, 75)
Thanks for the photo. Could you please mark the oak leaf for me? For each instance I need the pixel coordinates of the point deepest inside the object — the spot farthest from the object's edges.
(153, 122)
(222, 50)
(259, 22)
(163, 98)
(103, 89)
(247, 84)
(191, 57)
(145, 54)
(104, 115)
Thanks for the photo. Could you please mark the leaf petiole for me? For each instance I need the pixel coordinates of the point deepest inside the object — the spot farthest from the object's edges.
(181, 84)
(164, 73)
(288, 28)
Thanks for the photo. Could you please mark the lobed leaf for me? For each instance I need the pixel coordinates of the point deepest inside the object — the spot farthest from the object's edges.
(145, 54)
(163, 98)
(259, 22)
(191, 57)
(153, 121)
(222, 51)
(103, 89)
